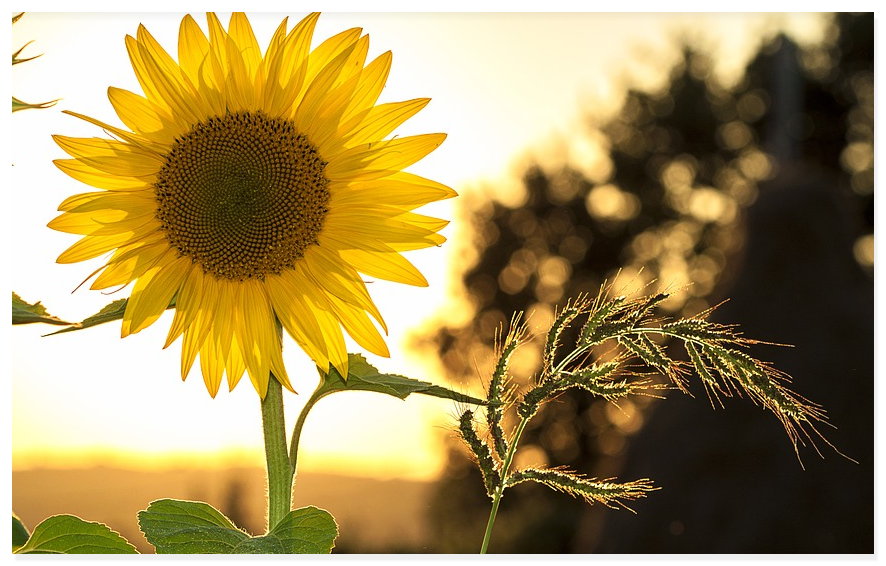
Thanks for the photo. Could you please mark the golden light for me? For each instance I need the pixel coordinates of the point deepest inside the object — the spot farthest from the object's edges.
(505, 84)
(608, 202)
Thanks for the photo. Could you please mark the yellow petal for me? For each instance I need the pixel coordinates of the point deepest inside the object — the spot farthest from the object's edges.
(330, 327)
(153, 292)
(100, 147)
(262, 84)
(429, 241)
(193, 47)
(322, 128)
(109, 156)
(399, 190)
(240, 30)
(168, 81)
(257, 333)
(289, 68)
(141, 201)
(196, 333)
(191, 343)
(296, 315)
(89, 247)
(278, 369)
(99, 179)
(141, 142)
(359, 327)
(130, 262)
(375, 160)
(390, 266)
(105, 222)
(422, 221)
(234, 365)
(239, 86)
(372, 81)
(329, 50)
(146, 78)
(225, 318)
(367, 226)
(74, 201)
(187, 305)
(211, 366)
(217, 59)
(144, 117)
(376, 123)
(338, 278)
(317, 94)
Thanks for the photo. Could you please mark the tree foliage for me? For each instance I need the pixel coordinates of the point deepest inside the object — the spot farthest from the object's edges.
(686, 162)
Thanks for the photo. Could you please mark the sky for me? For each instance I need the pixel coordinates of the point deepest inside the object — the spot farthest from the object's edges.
(503, 87)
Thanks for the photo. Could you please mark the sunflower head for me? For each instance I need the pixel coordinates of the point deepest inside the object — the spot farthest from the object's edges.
(243, 195)
(253, 189)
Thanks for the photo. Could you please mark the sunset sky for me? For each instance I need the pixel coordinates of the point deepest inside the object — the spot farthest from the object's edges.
(504, 87)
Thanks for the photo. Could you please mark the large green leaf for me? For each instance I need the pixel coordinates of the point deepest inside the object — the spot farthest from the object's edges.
(26, 313)
(20, 533)
(188, 527)
(308, 530)
(362, 376)
(67, 534)
(193, 527)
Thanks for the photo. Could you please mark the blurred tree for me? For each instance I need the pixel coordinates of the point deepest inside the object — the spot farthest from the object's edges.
(234, 506)
(686, 161)
(731, 484)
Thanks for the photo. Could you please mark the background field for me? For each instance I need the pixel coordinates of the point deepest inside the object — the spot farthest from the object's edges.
(373, 515)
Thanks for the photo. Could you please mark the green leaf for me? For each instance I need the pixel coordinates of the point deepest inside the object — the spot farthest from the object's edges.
(308, 530)
(20, 533)
(21, 105)
(109, 313)
(188, 527)
(15, 56)
(67, 534)
(362, 376)
(193, 527)
(26, 313)
(260, 545)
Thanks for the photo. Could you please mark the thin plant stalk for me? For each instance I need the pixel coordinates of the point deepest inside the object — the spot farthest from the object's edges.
(499, 491)
(280, 471)
(299, 424)
(512, 449)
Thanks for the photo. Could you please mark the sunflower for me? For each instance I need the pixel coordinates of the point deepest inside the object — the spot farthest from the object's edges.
(252, 191)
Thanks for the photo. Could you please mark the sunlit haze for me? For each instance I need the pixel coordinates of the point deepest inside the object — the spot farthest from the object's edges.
(502, 85)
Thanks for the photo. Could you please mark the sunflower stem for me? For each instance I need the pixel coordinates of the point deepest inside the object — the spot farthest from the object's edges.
(280, 471)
